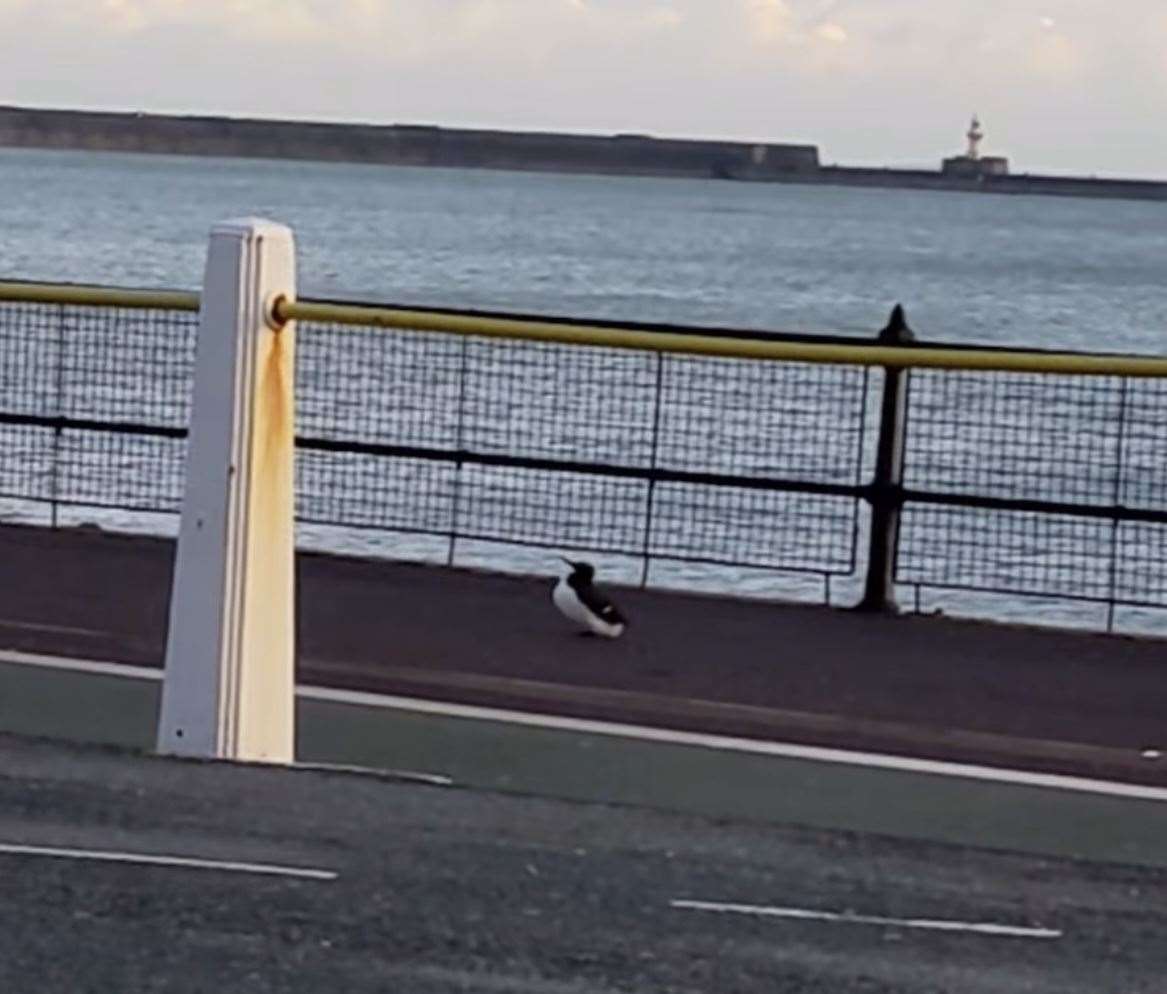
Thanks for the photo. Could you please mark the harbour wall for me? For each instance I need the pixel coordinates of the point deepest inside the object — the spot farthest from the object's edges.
(403, 145)
(421, 145)
(1012, 183)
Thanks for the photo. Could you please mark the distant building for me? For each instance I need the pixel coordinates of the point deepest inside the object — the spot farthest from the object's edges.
(973, 165)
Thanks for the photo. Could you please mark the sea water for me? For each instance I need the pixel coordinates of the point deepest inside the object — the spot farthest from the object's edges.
(1023, 271)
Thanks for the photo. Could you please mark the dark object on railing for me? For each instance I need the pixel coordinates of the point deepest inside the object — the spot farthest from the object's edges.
(885, 493)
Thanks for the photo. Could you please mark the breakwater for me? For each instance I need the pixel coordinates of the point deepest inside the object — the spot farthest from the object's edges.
(402, 145)
(421, 145)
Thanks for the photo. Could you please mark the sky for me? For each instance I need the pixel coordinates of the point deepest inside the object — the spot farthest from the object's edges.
(1066, 86)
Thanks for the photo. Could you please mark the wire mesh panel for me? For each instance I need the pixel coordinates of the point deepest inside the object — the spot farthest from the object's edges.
(571, 447)
(27, 462)
(127, 366)
(30, 358)
(1141, 564)
(1010, 435)
(358, 385)
(1144, 449)
(1016, 552)
(763, 528)
(95, 404)
(790, 421)
(552, 508)
(1051, 469)
(559, 402)
(133, 472)
(359, 490)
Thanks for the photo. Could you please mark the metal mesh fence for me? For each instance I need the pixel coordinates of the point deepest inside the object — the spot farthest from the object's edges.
(94, 403)
(529, 444)
(581, 448)
(1024, 484)
(1018, 552)
(1047, 468)
(1011, 435)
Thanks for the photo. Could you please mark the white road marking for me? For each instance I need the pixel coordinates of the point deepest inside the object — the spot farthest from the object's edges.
(184, 862)
(726, 743)
(783, 750)
(801, 914)
(81, 665)
(430, 779)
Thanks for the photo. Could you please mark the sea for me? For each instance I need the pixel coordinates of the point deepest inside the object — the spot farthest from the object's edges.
(1045, 272)
(1022, 271)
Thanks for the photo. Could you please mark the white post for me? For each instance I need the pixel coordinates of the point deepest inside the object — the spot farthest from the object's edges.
(229, 691)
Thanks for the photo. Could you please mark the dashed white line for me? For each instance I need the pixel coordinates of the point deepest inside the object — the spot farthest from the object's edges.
(429, 779)
(182, 862)
(847, 918)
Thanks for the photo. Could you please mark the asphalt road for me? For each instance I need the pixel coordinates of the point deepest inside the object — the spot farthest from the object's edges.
(444, 890)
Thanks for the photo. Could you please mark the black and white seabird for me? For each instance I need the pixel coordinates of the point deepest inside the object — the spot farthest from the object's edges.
(579, 600)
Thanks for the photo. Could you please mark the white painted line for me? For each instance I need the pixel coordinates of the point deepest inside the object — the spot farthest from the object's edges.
(801, 914)
(726, 743)
(184, 862)
(783, 750)
(81, 665)
(430, 779)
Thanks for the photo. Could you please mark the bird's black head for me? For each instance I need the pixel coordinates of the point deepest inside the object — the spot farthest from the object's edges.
(581, 570)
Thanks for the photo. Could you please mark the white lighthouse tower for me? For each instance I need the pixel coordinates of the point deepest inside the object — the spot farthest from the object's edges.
(975, 136)
(972, 165)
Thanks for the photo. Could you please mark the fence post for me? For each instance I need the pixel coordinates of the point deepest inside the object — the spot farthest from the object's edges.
(229, 690)
(885, 491)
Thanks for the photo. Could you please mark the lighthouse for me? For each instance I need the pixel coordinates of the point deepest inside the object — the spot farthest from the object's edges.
(975, 136)
(972, 165)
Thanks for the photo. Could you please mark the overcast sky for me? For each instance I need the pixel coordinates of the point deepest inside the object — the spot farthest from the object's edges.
(1061, 85)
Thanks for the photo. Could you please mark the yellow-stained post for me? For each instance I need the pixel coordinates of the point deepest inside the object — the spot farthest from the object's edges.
(229, 691)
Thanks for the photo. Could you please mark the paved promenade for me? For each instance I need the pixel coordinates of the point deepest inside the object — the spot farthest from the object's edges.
(929, 687)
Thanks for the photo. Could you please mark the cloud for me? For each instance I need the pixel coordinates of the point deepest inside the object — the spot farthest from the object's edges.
(770, 20)
(836, 34)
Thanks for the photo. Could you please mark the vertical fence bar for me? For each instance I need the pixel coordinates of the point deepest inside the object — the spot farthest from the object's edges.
(459, 445)
(55, 475)
(229, 685)
(1116, 524)
(886, 490)
(651, 496)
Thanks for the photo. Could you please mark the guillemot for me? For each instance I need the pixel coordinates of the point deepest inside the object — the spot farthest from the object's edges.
(580, 601)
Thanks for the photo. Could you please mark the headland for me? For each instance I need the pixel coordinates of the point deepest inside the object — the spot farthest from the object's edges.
(621, 154)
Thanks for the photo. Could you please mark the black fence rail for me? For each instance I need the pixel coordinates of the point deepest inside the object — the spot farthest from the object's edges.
(1023, 484)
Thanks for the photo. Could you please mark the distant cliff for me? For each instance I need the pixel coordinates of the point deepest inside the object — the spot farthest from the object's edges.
(415, 145)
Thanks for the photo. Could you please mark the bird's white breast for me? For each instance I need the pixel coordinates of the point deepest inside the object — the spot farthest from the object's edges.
(569, 604)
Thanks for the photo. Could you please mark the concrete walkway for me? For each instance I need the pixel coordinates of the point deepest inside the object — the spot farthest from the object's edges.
(939, 688)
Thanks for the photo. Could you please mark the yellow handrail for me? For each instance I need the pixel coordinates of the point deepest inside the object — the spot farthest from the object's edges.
(98, 296)
(916, 357)
(899, 357)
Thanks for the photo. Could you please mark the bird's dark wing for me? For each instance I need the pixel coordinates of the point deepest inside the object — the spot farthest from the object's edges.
(597, 601)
